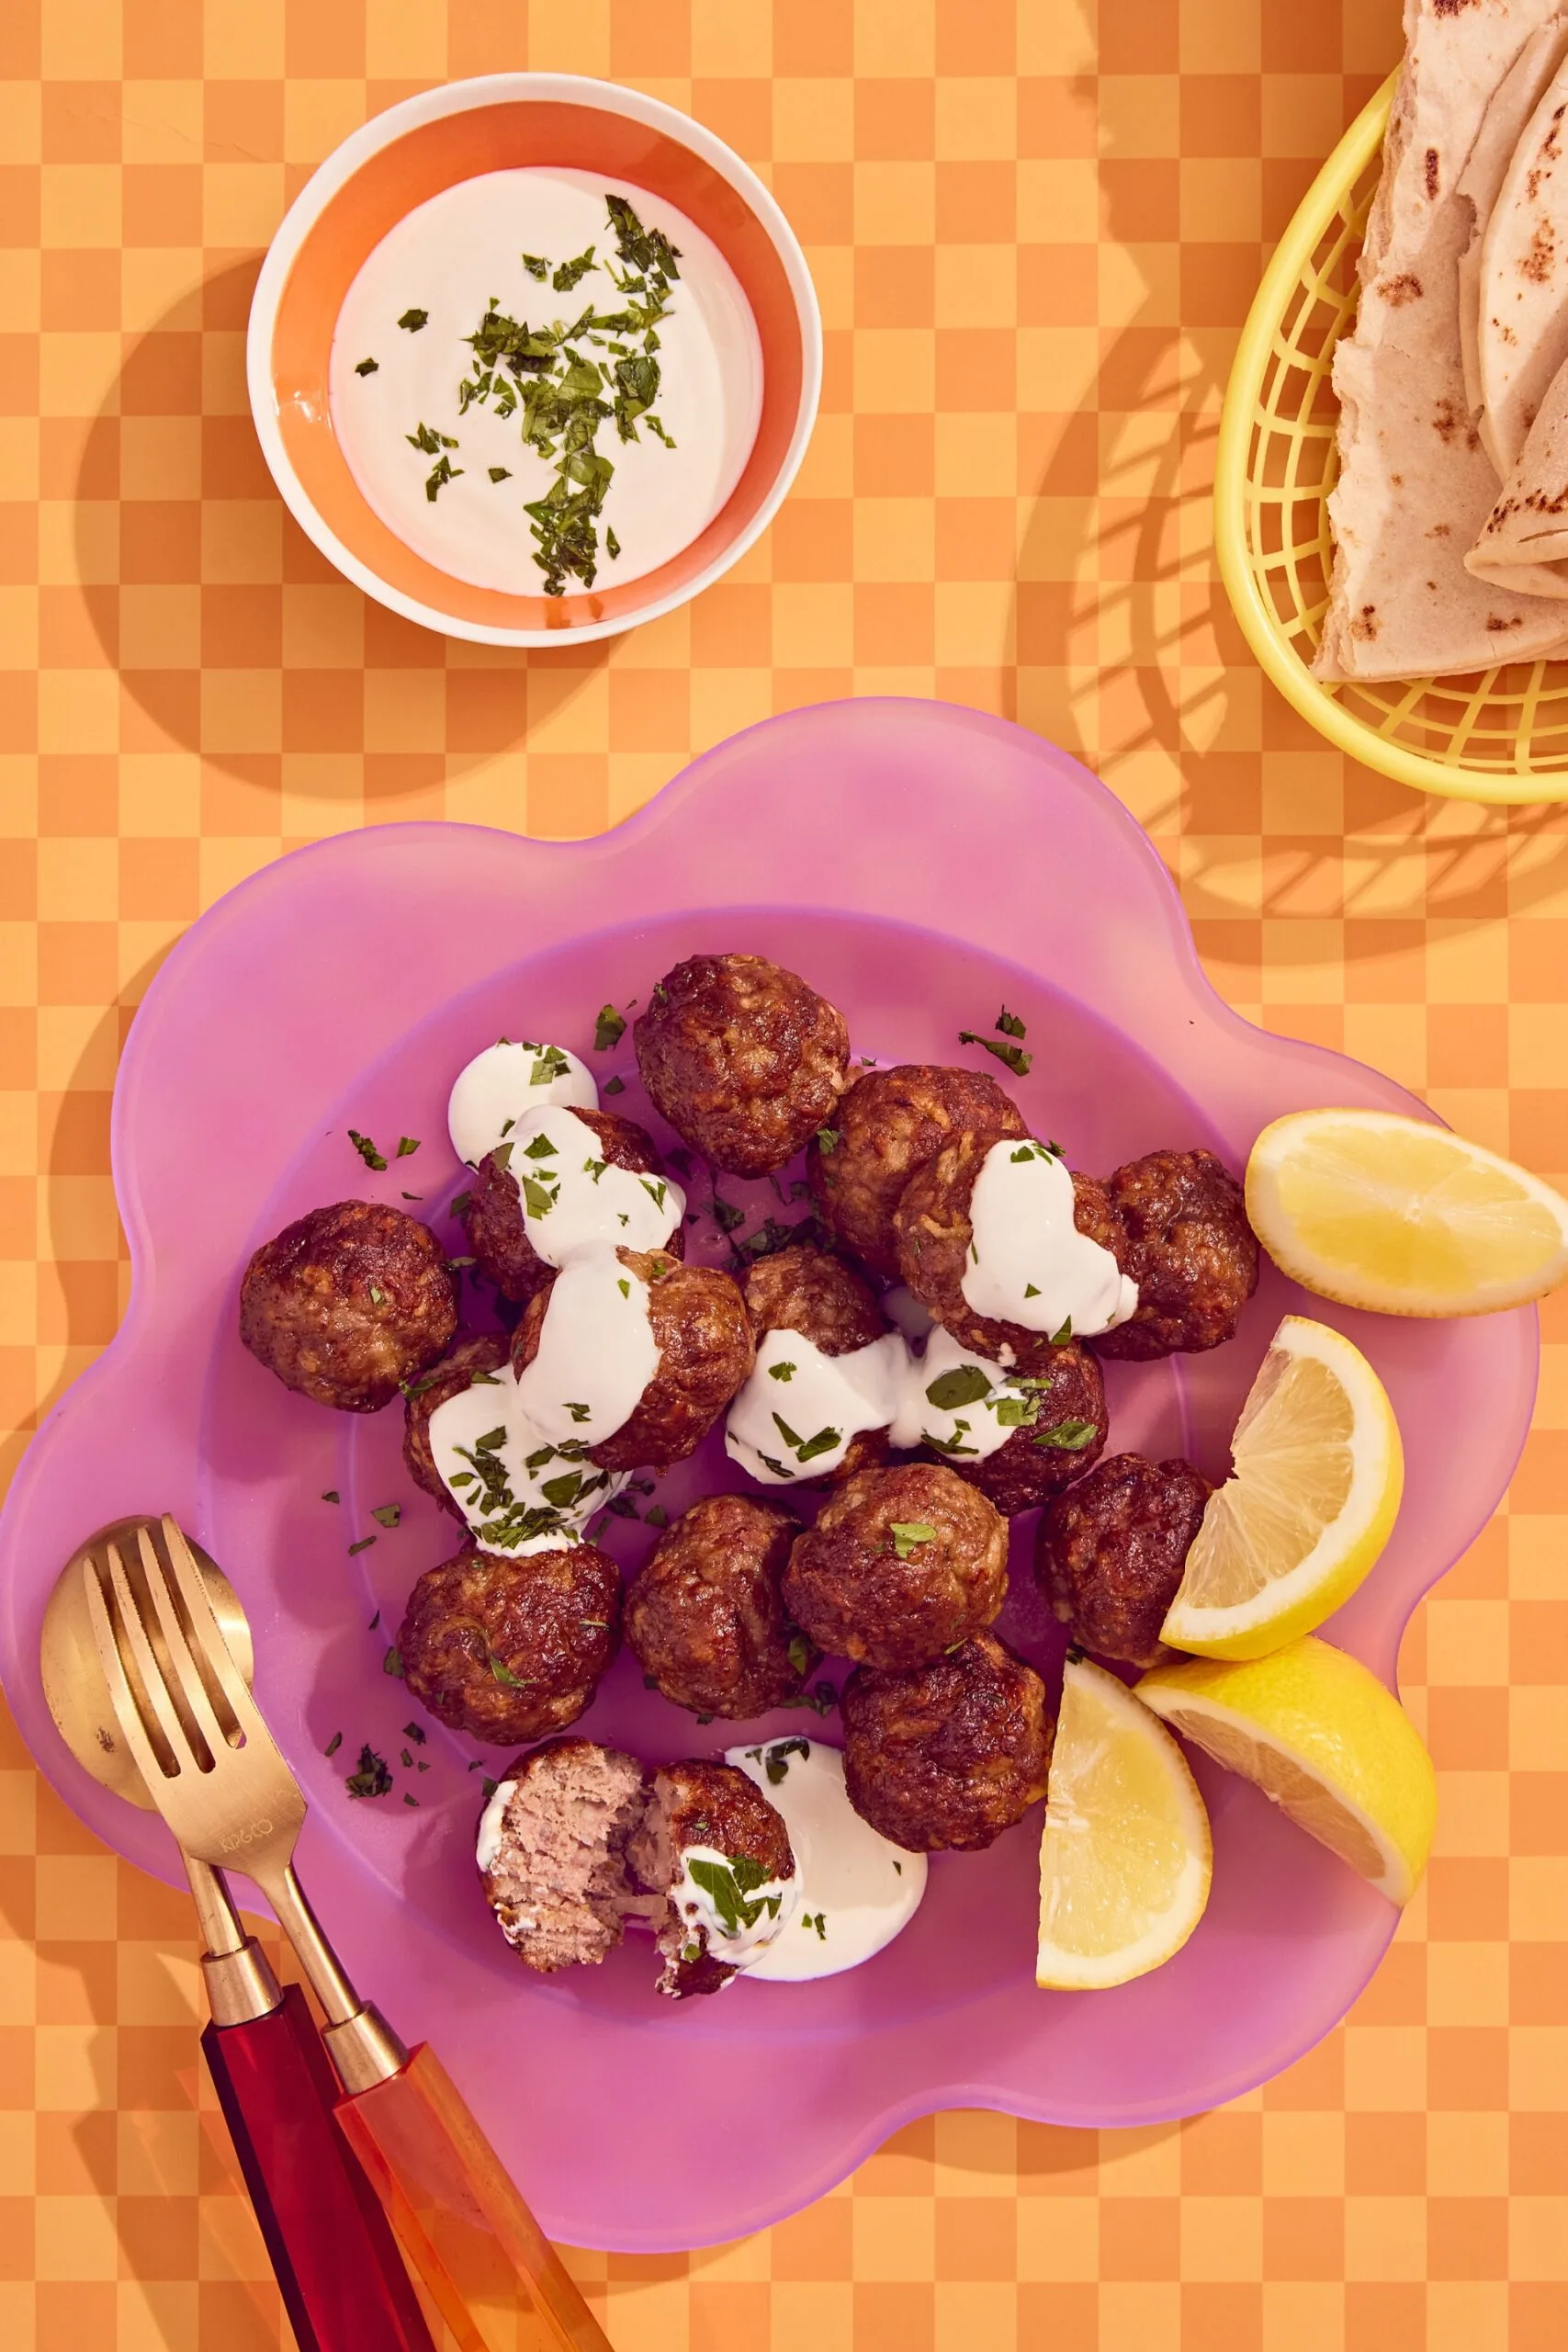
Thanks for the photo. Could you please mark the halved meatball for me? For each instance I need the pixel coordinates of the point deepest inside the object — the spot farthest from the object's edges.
(901, 1564)
(743, 1059)
(949, 1754)
(348, 1303)
(890, 1123)
(1067, 1436)
(810, 1291)
(1111, 1550)
(509, 1649)
(1189, 1248)
(705, 1618)
(710, 1933)
(471, 1357)
(705, 1350)
(553, 1853)
(934, 1233)
(493, 1212)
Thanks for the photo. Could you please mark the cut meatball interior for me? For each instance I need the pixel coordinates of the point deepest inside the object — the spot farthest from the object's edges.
(559, 1880)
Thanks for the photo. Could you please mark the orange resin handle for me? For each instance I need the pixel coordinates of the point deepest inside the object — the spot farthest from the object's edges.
(496, 2279)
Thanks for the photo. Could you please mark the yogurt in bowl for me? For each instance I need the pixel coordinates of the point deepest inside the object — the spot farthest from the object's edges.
(534, 357)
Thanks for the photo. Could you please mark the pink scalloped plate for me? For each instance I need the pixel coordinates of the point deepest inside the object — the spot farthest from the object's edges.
(922, 865)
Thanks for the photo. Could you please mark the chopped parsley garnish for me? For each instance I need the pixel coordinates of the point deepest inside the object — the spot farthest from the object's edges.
(613, 1086)
(407, 1147)
(907, 1534)
(624, 1288)
(460, 1203)
(780, 1372)
(430, 443)
(725, 1215)
(363, 1546)
(830, 1138)
(800, 1653)
(440, 474)
(367, 366)
(500, 473)
(1017, 1060)
(412, 1388)
(1059, 1339)
(540, 1148)
(411, 320)
(408, 1800)
(392, 1663)
(1032, 1290)
(966, 1384)
(366, 1151)
(536, 266)
(776, 1759)
(414, 1731)
(609, 1028)
(371, 1778)
(333, 1743)
(551, 1065)
(578, 1412)
(612, 544)
(538, 1198)
(657, 1191)
(386, 1514)
(807, 1449)
(729, 1883)
(816, 1919)
(504, 1674)
(413, 1196)
(572, 273)
(1015, 1412)
(1009, 1024)
(656, 1516)
(1068, 1437)
(331, 1496)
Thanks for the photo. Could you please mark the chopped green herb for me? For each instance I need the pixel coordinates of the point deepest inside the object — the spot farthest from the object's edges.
(410, 1799)
(412, 1388)
(776, 1759)
(907, 1534)
(407, 1147)
(375, 1621)
(378, 1297)
(729, 1883)
(504, 1674)
(460, 1203)
(1009, 1024)
(830, 1138)
(538, 1198)
(780, 1372)
(1068, 1436)
(363, 1546)
(367, 366)
(800, 1653)
(488, 1786)
(386, 1514)
(331, 1496)
(624, 1288)
(1015, 1057)
(613, 1086)
(366, 1151)
(570, 273)
(656, 1516)
(500, 473)
(406, 1761)
(1059, 1339)
(540, 1148)
(898, 1867)
(612, 544)
(429, 442)
(535, 267)
(816, 1920)
(609, 1028)
(333, 1743)
(965, 1385)
(1032, 1290)
(1016, 1412)
(440, 474)
(414, 1731)
(392, 1663)
(413, 1196)
(371, 1778)
(413, 320)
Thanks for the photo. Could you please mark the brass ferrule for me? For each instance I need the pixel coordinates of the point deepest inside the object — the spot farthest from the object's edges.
(241, 1985)
(363, 2050)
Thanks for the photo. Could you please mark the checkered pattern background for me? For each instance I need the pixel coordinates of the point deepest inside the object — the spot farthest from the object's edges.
(1035, 235)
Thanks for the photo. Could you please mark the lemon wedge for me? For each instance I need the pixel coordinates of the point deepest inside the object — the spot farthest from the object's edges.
(1126, 1858)
(1380, 1211)
(1322, 1737)
(1309, 1506)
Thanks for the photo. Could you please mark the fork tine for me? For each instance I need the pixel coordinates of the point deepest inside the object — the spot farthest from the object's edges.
(106, 1626)
(191, 1689)
(209, 1642)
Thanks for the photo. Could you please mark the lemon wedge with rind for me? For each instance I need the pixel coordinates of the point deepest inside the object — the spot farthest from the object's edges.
(1310, 1504)
(1126, 1858)
(1324, 1739)
(1376, 1210)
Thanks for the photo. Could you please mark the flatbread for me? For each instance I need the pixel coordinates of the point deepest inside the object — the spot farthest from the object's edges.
(1416, 486)
(1526, 535)
(1523, 316)
(1501, 127)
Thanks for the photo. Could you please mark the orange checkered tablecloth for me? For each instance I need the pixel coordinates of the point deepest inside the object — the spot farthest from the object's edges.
(1034, 240)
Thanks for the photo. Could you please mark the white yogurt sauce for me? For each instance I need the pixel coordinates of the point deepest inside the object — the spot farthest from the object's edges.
(488, 1850)
(971, 1426)
(797, 1414)
(506, 1082)
(1028, 1262)
(596, 1354)
(574, 1200)
(765, 1911)
(454, 255)
(530, 1492)
(857, 1891)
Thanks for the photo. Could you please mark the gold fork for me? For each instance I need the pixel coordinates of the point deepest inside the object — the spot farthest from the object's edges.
(200, 1743)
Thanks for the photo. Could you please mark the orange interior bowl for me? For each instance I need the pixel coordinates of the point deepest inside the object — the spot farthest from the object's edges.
(292, 327)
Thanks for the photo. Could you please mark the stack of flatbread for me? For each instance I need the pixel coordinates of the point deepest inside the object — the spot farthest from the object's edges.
(1451, 515)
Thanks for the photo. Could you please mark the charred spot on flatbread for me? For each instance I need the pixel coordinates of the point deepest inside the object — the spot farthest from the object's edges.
(1365, 624)
(1430, 162)
(1536, 262)
(1397, 291)
(1499, 627)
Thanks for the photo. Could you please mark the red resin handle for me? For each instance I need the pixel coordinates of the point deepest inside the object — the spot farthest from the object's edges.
(342, 2281)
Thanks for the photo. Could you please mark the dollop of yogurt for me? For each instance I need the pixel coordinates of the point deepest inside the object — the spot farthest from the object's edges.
(505, 1082)
(742, 1920)
(574, 1200)
(596, 1354)
(1028, 1262)
(520, 1490)
(961, 1403)
(798, 1411)
(856, 1890)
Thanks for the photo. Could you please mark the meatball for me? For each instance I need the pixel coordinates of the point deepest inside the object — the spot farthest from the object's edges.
(1110, 1552)
(743, 1059)
(472, 1355)
(1066, 1436)
(552, 1852)
(810, 1291)
(705, 1618)
(349, 1302)
(511, 1649)
(705, 1350)
(890, 1123)
(702, 1941)
(1189, 1248)
(901, 1564)
(947, 1754)
(492, 1209)
(934, 1233)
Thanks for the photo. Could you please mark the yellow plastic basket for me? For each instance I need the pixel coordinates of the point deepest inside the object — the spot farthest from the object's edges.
(1497, 735)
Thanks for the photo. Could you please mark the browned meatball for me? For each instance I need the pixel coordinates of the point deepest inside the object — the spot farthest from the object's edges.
(717, 1806)
(706, 1351)
(1068, 1435)
(1189, 1248)
(890, 1123)
(947, 1754)
(934, 1233)
(493, 1211)
(901, 1564)
(472, 1355)
(743, 1059)
(810, 1291)
(705, 1618)
(511, 1649)
(348, 1303)
(1110, 1552)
